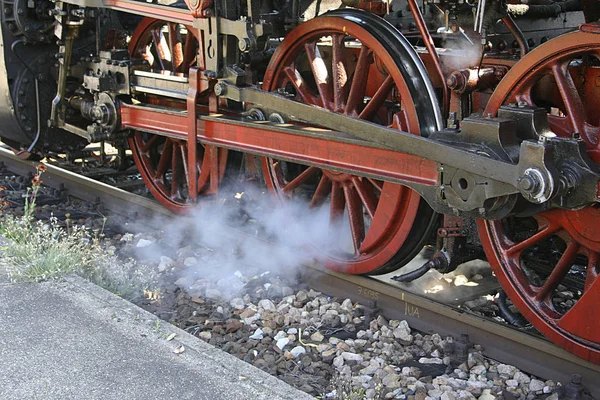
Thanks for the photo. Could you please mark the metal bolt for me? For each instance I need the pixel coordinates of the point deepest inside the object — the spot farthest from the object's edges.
(220, 89)
(522, 104)
(244, 44)
(513, 104)
(528, 184)
(576, 136)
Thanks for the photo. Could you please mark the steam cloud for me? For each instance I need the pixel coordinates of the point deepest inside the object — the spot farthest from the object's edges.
(226, 241)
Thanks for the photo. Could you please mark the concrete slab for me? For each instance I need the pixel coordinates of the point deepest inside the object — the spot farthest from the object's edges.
(70, 339)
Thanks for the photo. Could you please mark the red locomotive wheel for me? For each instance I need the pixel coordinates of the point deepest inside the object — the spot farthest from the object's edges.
(549, 263)
(170, 48)
(340, 62)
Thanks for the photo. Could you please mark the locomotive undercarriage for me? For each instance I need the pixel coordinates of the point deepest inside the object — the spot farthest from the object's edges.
(349, 114)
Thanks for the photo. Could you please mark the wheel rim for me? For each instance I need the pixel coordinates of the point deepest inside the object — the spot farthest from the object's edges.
(376, 218)
(171, 49)
(535, 257)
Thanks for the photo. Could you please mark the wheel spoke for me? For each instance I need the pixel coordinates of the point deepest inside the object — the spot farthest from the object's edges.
(158, 46)
(570, 97)
(378, 185)
(378, 99)
(323, 189)
(320, 73)
(336, 205)
(175, 46)
(183, 154)
(189, 52)
(582, 319)
(592, 271)
(175, 171)
(355, 216)
(359, 81)
(340, 72)
(149, 143)
(302, 89)
(165, 159)
(560, 125)
(365, 192)
(558, 273)
(300, 179)
(543, 233)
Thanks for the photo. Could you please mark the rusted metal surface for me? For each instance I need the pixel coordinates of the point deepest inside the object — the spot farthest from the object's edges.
(299, 144)
(528, 352)
(569, 238)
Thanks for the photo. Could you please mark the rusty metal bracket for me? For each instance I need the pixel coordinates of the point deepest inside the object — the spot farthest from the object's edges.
(534, 176)
(191, 103)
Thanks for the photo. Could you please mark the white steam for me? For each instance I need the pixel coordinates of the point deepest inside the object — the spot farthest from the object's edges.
(228, 242)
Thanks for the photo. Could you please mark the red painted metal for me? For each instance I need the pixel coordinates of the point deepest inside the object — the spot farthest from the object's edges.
(163, 13)
(379, 215)
(192, 157)
(548, 77)
(435, 59)
(259, 138)
(174, 172)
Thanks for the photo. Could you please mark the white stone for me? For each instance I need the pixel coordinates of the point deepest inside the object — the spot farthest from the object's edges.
(478, 369)
(267, 305)
(189, 261)
(213, 294)
(346, 305)
(301, 296)
(281, 343)
(348, 356)
(143, 243)
(522, 378)
(436, 394)
(292, 331)
(237, 303)
(536, 385)
(424, 360)
(317, 337)
(338, 362)
(402, 332)
(205, 335)
(511, 383)
(448, 396)
(298, 351)
(508, 370)
(257, 335)
(391, 381)
(165, 262)
(280, 335)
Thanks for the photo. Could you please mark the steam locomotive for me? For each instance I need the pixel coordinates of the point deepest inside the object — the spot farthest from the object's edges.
(473, 124)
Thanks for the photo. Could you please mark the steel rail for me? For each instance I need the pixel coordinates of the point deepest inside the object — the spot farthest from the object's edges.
(112, 198)
(503, 343)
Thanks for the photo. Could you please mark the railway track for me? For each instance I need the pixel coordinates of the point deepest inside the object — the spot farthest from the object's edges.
(508, 345)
